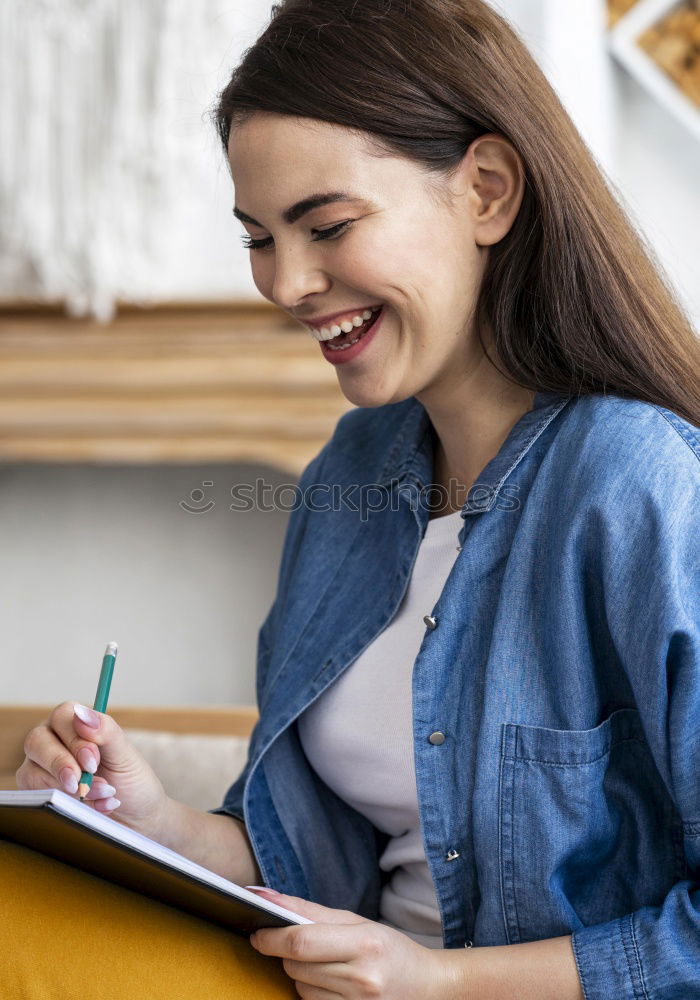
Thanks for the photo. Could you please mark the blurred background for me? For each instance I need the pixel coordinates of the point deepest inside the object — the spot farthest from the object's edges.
(143, 378)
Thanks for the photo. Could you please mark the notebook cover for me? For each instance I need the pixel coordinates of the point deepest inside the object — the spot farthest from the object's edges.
(44, 829)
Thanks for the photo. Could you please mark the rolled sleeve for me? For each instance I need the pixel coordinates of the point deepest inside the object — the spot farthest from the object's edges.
(651, 954)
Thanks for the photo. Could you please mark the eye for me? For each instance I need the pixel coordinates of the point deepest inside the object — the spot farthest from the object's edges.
(333, 231)
(250, 244)
(322, 234)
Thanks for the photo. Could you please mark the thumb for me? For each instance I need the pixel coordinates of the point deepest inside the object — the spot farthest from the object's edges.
(102, 730)
(314, 911)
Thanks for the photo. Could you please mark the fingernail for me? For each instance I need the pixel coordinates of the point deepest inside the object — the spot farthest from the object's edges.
(112, 804)
(87, 760)
(103, 789)
(68, 780)
(262, 888)
(87, 716)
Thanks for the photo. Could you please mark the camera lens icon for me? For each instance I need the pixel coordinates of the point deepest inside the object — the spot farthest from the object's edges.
(196, 505)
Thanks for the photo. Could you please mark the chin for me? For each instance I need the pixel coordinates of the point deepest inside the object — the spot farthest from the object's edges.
(371, 398)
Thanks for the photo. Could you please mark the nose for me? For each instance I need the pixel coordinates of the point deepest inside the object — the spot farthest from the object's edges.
(296, 276)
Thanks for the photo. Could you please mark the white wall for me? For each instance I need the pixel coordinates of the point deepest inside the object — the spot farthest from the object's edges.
(95, 553)
(658, 166)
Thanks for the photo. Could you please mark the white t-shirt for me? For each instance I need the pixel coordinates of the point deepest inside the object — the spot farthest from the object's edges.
(358, 737)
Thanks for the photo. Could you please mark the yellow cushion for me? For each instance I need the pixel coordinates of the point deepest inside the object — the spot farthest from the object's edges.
(65, 934)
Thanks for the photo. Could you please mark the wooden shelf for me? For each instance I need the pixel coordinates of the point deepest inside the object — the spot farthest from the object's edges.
(657, 42)
(164, 385)
(617, 9)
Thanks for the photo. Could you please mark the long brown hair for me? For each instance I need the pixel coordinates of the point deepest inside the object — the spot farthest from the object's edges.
(576, 301)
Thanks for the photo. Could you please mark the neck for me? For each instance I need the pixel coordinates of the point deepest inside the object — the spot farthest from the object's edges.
(472, 417)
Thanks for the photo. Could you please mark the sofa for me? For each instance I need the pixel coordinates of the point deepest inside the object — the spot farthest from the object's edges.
(196, 752)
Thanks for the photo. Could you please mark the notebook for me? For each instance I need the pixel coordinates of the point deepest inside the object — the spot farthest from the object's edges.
(54, 823)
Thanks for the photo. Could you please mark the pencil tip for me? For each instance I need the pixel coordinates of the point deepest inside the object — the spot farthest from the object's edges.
(83, 789)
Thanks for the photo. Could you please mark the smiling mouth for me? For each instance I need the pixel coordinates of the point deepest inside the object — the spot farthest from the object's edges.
(345, 340)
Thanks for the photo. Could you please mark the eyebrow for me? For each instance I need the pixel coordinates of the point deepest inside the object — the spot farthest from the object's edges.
(295, 212)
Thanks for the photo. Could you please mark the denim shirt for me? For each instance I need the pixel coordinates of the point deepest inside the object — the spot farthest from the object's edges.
(562, 665)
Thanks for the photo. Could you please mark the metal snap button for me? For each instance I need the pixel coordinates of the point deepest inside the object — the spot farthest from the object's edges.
(430, 622)
(452, 855)
(437, 738)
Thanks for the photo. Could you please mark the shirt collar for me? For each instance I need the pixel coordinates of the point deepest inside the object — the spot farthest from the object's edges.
(410, 457)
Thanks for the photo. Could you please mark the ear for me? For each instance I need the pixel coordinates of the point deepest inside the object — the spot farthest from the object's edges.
(493, 179)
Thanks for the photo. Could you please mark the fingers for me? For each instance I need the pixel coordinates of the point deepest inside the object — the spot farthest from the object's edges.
(48, 762)
(76, 735)
(107, 806)
(101, 793)
(305, 908)
(29, 775)
(101, 734)
(63, 747)
(310, 942)
(66, 744)
(102, 796)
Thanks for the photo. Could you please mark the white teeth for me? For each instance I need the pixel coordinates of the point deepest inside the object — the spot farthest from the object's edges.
(323, 334)
(343, 347)
(329, 332)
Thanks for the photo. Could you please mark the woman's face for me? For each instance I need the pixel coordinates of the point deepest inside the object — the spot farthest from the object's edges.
(397, 245)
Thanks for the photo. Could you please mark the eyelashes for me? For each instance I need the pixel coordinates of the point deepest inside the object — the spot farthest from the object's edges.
(250, 244)
(322, 234)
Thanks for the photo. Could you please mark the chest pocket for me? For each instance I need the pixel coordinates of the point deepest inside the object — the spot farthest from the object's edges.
(587, 830)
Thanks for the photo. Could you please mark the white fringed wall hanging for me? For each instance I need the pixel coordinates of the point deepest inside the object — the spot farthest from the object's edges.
(92, 152)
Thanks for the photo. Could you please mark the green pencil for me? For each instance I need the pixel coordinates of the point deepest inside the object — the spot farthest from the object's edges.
(100, 705)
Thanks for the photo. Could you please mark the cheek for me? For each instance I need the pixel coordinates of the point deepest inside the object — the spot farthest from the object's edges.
(380, 265)
(368, 277)
(418, 257)
(263, 274)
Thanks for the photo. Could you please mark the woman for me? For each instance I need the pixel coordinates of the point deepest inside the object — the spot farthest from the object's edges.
(479, 682)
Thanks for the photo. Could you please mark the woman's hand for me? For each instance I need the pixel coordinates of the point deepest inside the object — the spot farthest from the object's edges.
(344, 957)
(58, 750)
